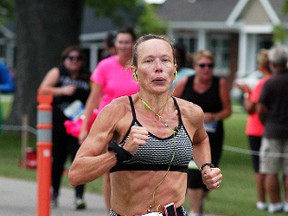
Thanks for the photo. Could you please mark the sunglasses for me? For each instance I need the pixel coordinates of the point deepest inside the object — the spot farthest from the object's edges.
(78, 58)
(206, 65)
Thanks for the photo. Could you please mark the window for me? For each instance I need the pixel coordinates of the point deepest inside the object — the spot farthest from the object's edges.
(219, 45)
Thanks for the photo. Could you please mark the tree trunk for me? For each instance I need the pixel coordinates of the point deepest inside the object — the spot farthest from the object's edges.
(44, 29)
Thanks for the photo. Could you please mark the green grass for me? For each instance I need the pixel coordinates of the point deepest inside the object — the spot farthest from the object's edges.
(237, 194)
(10, 155)
(235, 197)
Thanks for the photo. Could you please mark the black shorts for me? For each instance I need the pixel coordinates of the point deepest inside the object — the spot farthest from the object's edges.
(255, 144)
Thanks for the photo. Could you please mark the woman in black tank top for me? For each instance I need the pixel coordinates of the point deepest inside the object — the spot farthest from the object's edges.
(69, 83)
(212, 95)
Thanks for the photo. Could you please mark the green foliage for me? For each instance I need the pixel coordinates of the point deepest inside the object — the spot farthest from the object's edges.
(284, 9)
(148, 22)
(6, 10)
(279, 34)
(114, 9)
(141, 15)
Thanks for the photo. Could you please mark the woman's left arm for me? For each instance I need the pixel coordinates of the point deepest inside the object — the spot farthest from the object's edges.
(226, 101)
(212, 177)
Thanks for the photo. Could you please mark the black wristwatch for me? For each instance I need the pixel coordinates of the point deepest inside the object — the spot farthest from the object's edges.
(207, 164)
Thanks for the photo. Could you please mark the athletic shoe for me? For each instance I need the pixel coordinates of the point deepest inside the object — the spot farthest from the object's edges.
(80, 204)
(54, 203)
(195, 214)
(273, 208)
(285, 209)
(261, 206)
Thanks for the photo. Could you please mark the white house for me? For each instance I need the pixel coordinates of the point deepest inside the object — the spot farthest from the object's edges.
(234, 30)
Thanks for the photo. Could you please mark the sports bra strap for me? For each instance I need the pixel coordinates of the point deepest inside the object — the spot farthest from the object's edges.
(132, 108)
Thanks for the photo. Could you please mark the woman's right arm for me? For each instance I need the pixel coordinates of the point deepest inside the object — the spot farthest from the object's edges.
(179, 87)
(92, 159)
(92, 103)
(51, 80)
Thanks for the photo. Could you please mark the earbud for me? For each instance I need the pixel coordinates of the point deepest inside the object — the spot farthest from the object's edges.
(175, 75)
(135, 76)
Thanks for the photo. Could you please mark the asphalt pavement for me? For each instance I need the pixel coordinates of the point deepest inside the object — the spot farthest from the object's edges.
(18, 197)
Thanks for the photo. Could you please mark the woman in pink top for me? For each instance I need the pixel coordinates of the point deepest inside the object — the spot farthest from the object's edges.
(254, 128)
(111, 79)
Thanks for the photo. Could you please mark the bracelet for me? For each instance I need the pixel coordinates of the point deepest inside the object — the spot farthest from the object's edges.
(246, 95)
(211, 165)
(121, 153)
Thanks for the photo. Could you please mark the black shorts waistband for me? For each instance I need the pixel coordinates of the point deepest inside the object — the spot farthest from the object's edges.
(180, 212)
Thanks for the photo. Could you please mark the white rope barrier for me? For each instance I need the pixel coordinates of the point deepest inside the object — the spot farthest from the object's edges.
(250, 152)
(19, 128)
(225, 147)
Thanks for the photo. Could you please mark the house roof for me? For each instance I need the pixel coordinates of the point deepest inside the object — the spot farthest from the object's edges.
(277, 6)
(222, 12)
(95, 28)
(196, 10)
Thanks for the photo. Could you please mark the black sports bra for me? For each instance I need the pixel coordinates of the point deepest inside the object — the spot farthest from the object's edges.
(157, 153)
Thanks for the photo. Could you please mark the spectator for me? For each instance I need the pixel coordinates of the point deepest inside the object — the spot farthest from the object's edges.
(272, 109)
(6, 85)
(151, 134)
(109, 47)
(212, 95)
(69, 83)
(111, 79)
(184, 66)
(254, 127)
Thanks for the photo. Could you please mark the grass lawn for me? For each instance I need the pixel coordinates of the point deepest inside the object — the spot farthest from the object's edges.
(235, 197)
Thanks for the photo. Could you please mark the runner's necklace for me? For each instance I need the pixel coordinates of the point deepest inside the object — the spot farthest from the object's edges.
(158, 114)
(157, 206)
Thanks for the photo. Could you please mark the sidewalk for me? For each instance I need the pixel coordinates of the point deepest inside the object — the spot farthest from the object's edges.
(19, 198)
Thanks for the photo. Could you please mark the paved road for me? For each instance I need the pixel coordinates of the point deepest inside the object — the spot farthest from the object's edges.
(19, 198)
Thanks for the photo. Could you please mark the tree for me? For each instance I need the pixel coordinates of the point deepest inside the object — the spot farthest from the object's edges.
(43, 29)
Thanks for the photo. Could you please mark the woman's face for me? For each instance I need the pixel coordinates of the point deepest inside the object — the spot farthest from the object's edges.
(204, 68)
(73, 61)
(156, 66)
(124, 44)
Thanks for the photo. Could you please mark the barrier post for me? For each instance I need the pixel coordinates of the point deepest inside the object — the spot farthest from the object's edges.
(44, 150)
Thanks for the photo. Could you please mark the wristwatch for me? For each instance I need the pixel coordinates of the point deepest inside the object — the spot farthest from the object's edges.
(211, 165)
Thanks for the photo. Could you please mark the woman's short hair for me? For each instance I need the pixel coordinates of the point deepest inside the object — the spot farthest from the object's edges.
(150, 37)
(203, 53)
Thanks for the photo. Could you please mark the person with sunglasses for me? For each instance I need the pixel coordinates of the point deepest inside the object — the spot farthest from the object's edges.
(69, 83)
(146, 140)
(212, 95)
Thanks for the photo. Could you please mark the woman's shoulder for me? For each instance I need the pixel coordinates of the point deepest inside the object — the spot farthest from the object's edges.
(54, 72)
(192, 115)
(118, 105)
